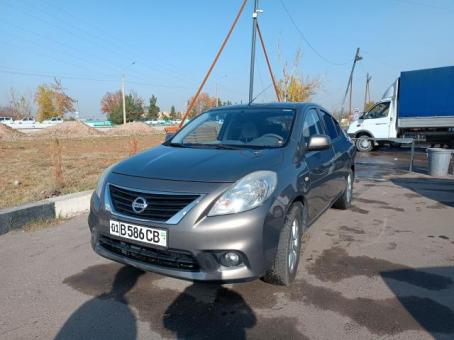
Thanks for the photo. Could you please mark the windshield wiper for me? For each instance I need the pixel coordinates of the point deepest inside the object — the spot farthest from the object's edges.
(226, 147)
(177, 145)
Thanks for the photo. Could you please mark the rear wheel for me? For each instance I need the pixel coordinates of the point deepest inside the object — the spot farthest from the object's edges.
(287, 258)
(344, 202)
(364, 144)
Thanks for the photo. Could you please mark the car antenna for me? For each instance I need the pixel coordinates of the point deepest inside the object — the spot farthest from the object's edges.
(261, 92)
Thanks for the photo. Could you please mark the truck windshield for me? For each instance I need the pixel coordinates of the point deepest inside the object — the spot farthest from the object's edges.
(378, 111)
(248, 128)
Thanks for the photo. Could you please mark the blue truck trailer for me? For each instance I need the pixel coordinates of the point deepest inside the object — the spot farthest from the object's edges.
(419, 104)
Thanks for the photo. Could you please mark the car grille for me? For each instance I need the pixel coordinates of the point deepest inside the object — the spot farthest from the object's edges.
(176, 259)
(161, 207)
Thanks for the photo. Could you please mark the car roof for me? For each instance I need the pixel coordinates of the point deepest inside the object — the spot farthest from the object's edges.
(276, 105)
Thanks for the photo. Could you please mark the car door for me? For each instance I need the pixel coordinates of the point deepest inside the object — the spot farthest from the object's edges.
(338, 175)
(377, 120)
(319, 164)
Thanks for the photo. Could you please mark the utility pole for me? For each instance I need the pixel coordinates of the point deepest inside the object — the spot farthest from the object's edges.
(254, 38)
(367, 92)
(123, 97)
(123, 76)
(350, 82)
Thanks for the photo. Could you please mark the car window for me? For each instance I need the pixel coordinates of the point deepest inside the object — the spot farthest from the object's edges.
(329, 124)
(311, 126)
(378, 111)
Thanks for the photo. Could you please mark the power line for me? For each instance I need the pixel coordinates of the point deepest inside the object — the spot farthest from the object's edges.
(424, 4)
(77, 77)
(306, 40)
(75, 33)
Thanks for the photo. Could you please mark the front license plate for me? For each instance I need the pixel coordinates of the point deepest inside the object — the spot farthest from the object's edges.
(136, 232)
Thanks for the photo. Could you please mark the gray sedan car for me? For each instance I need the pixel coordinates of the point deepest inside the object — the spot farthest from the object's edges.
(228, 197)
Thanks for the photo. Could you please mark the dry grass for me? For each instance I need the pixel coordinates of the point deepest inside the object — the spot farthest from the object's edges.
(42, 224)
(27, 167)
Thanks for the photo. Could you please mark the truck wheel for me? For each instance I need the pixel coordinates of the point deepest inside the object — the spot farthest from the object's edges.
(364, 144)
(285, 264)
(344, 202)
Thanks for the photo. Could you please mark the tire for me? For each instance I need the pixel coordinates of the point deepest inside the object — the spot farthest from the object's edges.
(345, 201)
(364, 144)
(285, 266)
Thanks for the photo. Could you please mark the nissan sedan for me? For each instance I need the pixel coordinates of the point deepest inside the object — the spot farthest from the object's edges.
(229, 197)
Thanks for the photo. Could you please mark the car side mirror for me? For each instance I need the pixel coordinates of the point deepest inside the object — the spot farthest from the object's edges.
(168, 136)
(318, 142)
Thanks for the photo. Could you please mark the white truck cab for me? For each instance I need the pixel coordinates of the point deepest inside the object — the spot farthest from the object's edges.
(380, 122)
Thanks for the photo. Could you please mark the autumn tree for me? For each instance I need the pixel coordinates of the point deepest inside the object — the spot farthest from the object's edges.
(153, 108)
(293, 87)
(20, 105)
(111, 101)
(112, 106)
(368, 106)
(7, 111)
(52, 101)
(202, 104)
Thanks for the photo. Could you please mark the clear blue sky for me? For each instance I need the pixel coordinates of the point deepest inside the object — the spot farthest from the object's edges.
(87, 44)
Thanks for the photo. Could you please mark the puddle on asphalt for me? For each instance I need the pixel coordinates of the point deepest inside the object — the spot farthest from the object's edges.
(335, 265)
(356, 209)
(351, 229)
(364, 200)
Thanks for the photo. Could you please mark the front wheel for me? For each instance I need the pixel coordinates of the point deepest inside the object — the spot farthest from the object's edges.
(287, 258)
(364, 144)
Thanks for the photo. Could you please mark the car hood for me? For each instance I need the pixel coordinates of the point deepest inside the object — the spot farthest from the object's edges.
(200, 165)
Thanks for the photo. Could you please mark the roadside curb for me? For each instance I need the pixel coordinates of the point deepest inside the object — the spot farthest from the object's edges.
(56, 207)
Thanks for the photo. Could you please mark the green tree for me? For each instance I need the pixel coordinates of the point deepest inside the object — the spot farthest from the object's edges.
(112, 105)
(173, 113)
(153, 108)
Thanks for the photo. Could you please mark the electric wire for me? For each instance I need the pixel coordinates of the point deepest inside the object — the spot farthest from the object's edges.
(303, 36)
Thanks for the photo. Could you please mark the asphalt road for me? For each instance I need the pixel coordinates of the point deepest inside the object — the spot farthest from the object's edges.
(384, 269)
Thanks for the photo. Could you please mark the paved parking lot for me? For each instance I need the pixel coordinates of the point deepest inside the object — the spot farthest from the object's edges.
(384, 269)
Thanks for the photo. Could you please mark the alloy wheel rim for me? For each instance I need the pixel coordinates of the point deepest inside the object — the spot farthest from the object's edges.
(294, 242)
(365, 143)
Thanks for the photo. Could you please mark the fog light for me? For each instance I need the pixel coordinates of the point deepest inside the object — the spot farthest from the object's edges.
(230, 259)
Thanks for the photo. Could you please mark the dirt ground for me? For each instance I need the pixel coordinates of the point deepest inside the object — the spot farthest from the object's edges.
(26, 166)
(382, 270)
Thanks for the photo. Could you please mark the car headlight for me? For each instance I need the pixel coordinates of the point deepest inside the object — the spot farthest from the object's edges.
(246, 194)
(101, 180)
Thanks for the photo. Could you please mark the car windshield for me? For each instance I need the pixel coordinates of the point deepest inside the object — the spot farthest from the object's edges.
(247, 128)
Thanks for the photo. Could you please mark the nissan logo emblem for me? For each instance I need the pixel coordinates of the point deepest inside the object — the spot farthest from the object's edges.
(139, 205)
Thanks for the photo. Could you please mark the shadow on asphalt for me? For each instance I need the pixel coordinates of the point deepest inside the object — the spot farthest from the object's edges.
(202, 310)
(426, 293)
(228, 317)
(106, 316)
(440, 190)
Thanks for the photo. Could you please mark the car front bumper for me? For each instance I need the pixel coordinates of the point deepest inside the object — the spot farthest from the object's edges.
(253, 234)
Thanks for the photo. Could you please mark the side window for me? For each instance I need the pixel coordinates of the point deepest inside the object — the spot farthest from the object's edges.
(329, 124)
(378, 111)
(311, 126)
